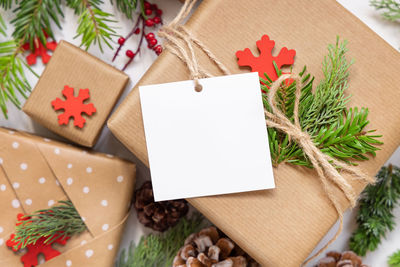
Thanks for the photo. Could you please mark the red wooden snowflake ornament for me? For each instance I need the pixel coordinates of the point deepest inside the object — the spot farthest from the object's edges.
(39, 51)
(73, 106)
(30, 258)
(264, 62)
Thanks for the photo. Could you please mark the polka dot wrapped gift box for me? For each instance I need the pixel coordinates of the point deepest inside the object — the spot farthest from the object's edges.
(36, 173)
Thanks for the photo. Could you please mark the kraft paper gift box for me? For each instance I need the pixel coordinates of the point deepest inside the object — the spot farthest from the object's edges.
(71, 66)
(280, 227)
(35, 173)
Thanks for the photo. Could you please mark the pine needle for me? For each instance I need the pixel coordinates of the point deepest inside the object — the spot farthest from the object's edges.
(128, 7)
(59, 221)
(93, 23)
(390, 8)
(337, 130)
(6, 4)
(375, 217)
(2, 26)
(159, 250)
(394, 259)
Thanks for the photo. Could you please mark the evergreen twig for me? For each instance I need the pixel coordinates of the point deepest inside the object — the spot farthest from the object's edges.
(128, 7)
(337, 130)
(93, 27)
(2, 26)
(159, 250)
(375, 216)
(61, 220)
(6, 4)
(394, 259)
(390, 8)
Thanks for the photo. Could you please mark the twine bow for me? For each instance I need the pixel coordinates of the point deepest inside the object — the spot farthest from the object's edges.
(180, 42)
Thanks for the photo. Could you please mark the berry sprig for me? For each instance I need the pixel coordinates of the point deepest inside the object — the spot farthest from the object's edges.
(143, 22)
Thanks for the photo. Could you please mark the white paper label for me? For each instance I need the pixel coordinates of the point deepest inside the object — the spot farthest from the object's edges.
(206, 143)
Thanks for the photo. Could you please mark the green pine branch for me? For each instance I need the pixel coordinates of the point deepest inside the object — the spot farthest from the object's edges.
(159, 250)
(337, 130)
(394, 259)
(375, 217)
(6, 4)
(2, 26)
(13, 81)
(93, 23)
(61, 220)
(128, 7)
(390, 8)
(33, 19)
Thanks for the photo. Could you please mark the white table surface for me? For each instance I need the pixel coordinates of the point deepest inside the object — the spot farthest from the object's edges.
(389, 31)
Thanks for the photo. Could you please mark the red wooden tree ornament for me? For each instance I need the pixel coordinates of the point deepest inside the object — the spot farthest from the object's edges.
(73, 106)
(264, 62)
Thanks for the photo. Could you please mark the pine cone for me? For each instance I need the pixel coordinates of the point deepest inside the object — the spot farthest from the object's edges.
(208, 248)
(345, 259)
(158, 215)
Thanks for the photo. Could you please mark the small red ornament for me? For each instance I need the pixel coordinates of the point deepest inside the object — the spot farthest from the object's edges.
(159, 12)
(150, 35)
(148, 12)
(130, 54)
(149, 22)
(121, 40)
(30, 258)
(137, 31)
(39, 51)
(157, 20)
(147, 5)
(158, 49)
(264, 63)
(73, 106)
(152, 42)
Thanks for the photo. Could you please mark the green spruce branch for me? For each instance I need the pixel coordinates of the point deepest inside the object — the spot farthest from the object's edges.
(93, 23)
(375, 217)
(2, 26)
(337, 130)
(6, 4)
(61, 220)
(394, 259)
(159, 250)
(390, 8)
(129, 7)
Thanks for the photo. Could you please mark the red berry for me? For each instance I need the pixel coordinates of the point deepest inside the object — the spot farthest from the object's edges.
(137, 31)
(154, 6)
(149, 22)
(148, 12)
(147, 5)
(130, 54)
(121, 40)
(152, 42)
(157, 20)
(159, 12)
(150, 35)
(158, 49)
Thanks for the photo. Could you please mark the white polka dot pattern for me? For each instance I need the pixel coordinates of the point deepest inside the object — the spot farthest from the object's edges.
(23, 166)
(15, 145)
(3, 187)
(15, 203)
(86, 189)
(89, 253)
(68, 263)
(104, 203)
(42, 180)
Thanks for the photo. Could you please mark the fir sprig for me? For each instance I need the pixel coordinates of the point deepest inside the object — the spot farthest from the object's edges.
(33, 19)
(394, 259)
(2, 26)
(128, 7)
(61, 220)
(375, 216)
(93, 23)
(337, 130)
(12, 76)
(6, 4)
(159, 250)
(390, 8)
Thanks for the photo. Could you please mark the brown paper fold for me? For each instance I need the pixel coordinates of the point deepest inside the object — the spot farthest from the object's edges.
(280, 227)
(76, 68)
(35, 173)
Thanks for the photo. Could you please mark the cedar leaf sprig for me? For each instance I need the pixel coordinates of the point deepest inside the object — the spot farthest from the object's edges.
(61, 220)
(128, 7)
(375, 216)
(390, 8)
(12, 76)
(394, 259)
(336, 130)
(159, 250)
(93, 27)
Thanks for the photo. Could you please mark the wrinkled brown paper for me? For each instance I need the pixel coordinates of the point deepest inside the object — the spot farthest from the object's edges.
(280, 227)
(74, 67)
(35, 173)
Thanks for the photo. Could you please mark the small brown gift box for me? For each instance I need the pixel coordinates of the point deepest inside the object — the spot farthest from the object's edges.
(35, 173)
(74, 67)
(280, 227)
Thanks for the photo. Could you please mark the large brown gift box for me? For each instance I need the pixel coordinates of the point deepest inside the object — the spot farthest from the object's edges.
(35, 173)
(280, 227)
(75, 68)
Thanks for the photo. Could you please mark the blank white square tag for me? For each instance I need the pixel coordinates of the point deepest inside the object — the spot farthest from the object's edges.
(206, 143)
